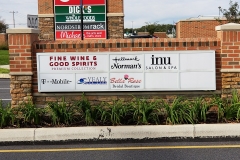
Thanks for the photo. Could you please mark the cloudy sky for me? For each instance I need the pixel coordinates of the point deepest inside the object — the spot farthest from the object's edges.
(137, 12)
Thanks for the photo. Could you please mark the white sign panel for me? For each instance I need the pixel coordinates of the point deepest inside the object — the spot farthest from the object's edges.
(92, 82)
(126, 71)
(71, 63)
(126, 62)
(126, 81)
(162, 62)
(57, 82)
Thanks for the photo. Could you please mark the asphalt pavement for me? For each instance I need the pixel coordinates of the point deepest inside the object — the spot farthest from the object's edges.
(125, 151)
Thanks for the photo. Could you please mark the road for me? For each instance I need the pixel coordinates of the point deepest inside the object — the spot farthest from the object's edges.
(5, 91)
(125, 151)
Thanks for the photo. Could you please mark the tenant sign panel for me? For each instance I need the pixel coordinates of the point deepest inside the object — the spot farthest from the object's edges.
(126, 71)
(68, 19)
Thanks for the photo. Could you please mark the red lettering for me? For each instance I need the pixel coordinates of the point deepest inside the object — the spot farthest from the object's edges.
(114, 80)
(58, 64)
(132, 80)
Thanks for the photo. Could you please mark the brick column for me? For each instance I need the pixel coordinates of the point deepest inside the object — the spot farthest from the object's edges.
(230, 57)
(46, 19)
(115, 19)
(21, 69)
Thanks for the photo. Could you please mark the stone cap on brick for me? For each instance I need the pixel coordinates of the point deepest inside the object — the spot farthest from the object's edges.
(228, 27)
(115, 14)
(23, 30)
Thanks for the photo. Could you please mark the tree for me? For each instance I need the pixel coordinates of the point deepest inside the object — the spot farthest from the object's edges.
(3, 26)
(232, 14)
(168, 28)
(151, 27)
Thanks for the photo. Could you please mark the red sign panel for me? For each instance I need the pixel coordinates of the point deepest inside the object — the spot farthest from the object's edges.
(73, 35)
(77, 2)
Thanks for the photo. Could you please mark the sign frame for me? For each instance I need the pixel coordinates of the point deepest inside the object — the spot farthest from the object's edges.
(171, 76)
(73, 19)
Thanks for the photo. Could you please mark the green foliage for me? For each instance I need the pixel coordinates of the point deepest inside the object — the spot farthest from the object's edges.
(151, 27)
(135, 112)
(116, 112)
(60, 112)
(3, 70)
(29, 113)
(179, 112)
(3, 26)
(232, 14)
(199, 109)
(144, 112)
(220, 104)
(91, 114)
(154, 27)
(232, 107)
(4, 60)
(6, 115)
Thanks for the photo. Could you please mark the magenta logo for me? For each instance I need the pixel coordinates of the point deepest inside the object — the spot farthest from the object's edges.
(126, 76)
(126, 79)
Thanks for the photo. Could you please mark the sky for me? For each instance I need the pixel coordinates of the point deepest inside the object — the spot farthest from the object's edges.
(137, 12)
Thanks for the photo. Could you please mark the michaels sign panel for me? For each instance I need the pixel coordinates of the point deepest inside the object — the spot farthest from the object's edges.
(68, 19)
(126, 71)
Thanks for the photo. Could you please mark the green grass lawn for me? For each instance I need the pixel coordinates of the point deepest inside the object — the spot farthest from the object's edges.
(3, 70)
(4, 57)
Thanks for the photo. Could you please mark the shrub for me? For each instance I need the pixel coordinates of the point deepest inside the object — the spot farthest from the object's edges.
(60, 112)
(7, 116)
(91, 114)
(30, 114)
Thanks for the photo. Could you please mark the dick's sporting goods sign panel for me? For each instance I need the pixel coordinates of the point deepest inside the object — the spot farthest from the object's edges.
(68, 19)
(126, 71)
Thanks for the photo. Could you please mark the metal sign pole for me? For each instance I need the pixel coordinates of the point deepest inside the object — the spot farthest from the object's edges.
(81, 6)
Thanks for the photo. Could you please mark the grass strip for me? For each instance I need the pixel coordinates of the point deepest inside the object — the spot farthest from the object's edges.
(3, 70)
(4, 57)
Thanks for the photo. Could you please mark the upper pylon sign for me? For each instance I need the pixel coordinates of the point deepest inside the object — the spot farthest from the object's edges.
(68, 19)
(77, 2)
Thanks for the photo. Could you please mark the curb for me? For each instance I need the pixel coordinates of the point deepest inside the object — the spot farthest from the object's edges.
(120, 133)
(5, 76)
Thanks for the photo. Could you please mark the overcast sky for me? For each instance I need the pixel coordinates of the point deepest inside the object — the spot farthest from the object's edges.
(137, 12)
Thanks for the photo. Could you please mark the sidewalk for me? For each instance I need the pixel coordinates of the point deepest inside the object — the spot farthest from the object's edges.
(4, 75)
(100, 133)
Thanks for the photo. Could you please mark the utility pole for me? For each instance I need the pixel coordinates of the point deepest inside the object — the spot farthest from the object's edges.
(219, 8)
(13, 12)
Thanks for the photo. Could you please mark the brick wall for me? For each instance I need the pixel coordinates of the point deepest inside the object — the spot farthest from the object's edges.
(230, 55)
(23, 65)
(160, 34)
(3, 38)
(115, 19)
(21, 68)
(122, 45)
(197, 28)
(115, 6)
(45, 7)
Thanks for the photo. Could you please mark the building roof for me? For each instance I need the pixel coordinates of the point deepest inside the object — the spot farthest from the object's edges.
(204, 18)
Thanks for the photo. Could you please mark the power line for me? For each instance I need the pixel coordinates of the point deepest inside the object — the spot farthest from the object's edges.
(13, 12)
